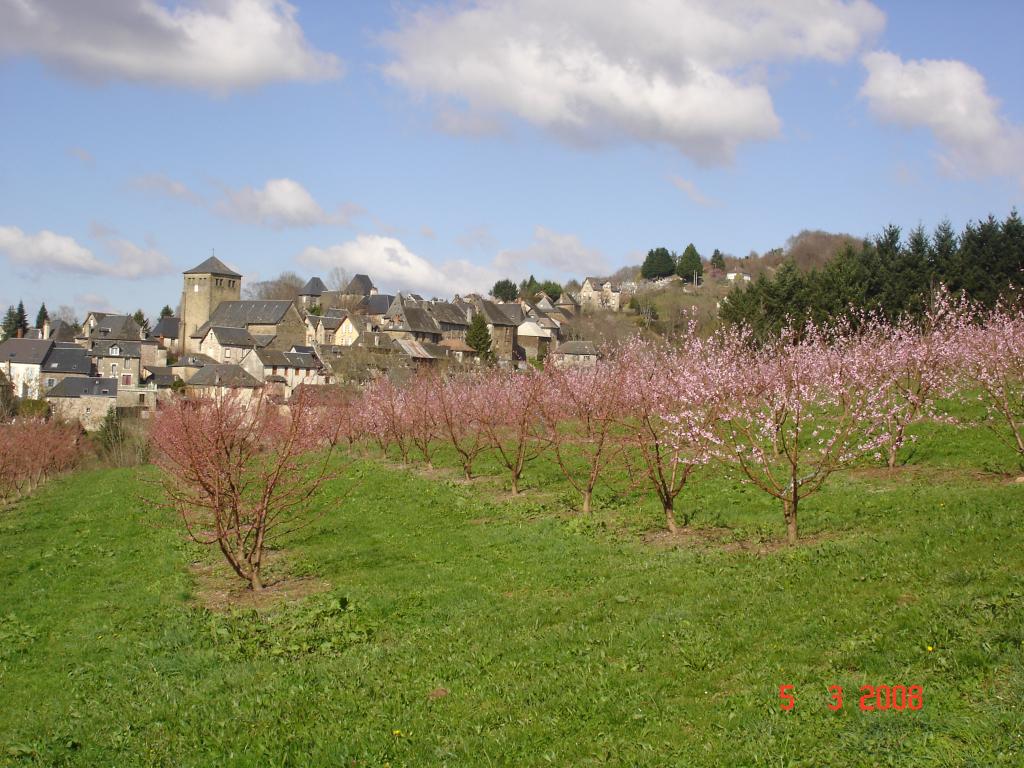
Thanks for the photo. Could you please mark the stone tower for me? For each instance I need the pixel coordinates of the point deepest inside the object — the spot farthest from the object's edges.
(206, 286)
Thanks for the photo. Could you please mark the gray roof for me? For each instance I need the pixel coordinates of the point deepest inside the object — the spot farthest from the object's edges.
(212, 266)
(61, 331)
(377, 304)
(168, 327)
(26, 351)
(274, 357)
(447, 313)
(577, 348)
(302, 348)
(161, 375)
(415, 349)
(117, 327)
(125, 348)
(359, 285)
(493, 314)
(194, 361)
(240, 314)
(514, 312)
(81, 386)
(313, 287)
(219, 375)
(68, 360)
(232, 337)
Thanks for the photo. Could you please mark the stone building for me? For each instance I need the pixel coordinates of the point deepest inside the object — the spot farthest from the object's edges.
(86, 400)
(274, 324)
(206, 286)
(21, 361)
(600, 292)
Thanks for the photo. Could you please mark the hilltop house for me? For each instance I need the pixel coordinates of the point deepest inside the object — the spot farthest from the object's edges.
(86, 400)
(575, 353)
(276, 324)
(405, 319)
(21, 361)
(311, 292)
(288, 370)
(601, 292)
(63, 361)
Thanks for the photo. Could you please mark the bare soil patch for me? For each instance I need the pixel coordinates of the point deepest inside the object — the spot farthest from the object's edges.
(916, 472)
(722, 540)
(219, 589)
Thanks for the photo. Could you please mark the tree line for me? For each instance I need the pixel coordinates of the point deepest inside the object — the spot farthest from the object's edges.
(888, 274)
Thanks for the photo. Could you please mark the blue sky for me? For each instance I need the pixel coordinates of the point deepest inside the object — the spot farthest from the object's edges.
(439, 146)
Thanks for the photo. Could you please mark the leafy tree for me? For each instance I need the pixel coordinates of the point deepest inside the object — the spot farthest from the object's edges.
(718, 260)
(10, 325)
(22, 318)
(166, 312)
(140, 318)
(478, 337)
(528, 288)
(689, 264)
(659, 263)
(552, 289)
(315, 309)
(43, 315)
(505, 290)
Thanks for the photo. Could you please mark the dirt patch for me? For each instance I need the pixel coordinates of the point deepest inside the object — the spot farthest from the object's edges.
(722, 540)
(219, 589)
(916, 472)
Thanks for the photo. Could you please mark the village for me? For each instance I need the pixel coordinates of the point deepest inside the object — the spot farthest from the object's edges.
(219, 342)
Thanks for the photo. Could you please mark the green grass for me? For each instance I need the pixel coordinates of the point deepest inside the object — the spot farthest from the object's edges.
(561, 641)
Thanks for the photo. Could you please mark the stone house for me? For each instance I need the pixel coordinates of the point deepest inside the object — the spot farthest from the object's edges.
(310, 293)
(288, 370)
(205, 287)
(601, 293)
(186, 366)
(167, 333)
(218, 380)
(407, 320)
(337, 328)
(570, 353)
(568, 305)
(501, 327)
(229, 345)
(121, 360)
(86, 400)
(534, 341)
(280, 322)
(65, 360)
(451, 319)
(21, 361)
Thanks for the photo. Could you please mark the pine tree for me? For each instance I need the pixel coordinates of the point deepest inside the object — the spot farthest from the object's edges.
(659, 263)
(166, 312)
(10, 326)
(505, 290)
(718, 260)
(22, 318)
(43, 315)
(478, 337)
(140, 318)
(690, 264)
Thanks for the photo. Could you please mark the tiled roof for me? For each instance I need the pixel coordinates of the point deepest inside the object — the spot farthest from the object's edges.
(81, 386)
(232, 337)
(212, 266)
(577, 348)
(219, 375)
(25, 351)
(272, 357)
(240, 314)
(68, 360)
(168, 327)
(313, 287)
(359, 285)
(117, 327)
(103, 347)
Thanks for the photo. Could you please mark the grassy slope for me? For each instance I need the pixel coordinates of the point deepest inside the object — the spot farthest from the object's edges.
(561, 641)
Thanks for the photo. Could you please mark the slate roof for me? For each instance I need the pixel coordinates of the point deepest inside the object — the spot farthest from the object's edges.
(445, 312)
(161, 375)
(125, 348)
(533, 328)
(414, 349)
(303, 349)
(212, 266)
(232, 337)
(493, 314)
(25, 351)
(456, 345)
(271, 357)
(61, 331)
(577, 348)
(566, 300)
(313, 287)
(377, 304)
(359, 285)
(68, 360)
(514, 312)
(194, 361)
(81, 386)
(240, 314)
(168, 327)
(219, 375)
(117, 327)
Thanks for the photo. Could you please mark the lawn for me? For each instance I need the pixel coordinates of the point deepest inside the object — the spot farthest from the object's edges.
(458, 626)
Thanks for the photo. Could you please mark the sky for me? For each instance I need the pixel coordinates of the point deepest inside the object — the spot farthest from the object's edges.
(439, 146)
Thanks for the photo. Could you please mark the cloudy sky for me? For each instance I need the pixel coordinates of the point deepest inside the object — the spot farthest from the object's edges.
(440, 145)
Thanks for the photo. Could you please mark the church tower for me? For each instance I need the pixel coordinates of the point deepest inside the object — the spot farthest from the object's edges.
(206, 286)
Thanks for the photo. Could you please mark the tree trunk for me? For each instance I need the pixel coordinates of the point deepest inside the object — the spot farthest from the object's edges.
(586, 502)
(254, 579)
(515, 484)
(670, 515)
(790, 514)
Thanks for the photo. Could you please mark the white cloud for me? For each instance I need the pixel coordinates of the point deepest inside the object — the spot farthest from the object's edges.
(553, 252)
(47, 251)
(213, 45)
(160, 184)
(664, 71)
(688, 188)
(394, 267)
(949, 98)
(282, 203)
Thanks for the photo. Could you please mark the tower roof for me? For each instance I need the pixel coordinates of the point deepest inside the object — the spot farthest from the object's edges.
(313, 287)
(212, 266)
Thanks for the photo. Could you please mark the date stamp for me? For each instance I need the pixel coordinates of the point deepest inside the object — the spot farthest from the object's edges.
(873, 698)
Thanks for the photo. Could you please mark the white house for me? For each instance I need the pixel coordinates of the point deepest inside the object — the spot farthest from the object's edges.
(21, 362)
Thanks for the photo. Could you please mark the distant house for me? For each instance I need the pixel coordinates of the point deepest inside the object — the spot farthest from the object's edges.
(450, 318)
(311, 292)
(533, 339)
(601, 292)
(65, 360)
(229, 345)
(21, 361)
(459, 350)
(218, 380)
(500, 325)
(86, 400)
(166, 333)
(570, 353)
(733, 276)
(278, 320)
(567, 304)
(186, 366)
(338, 328)
(407, 320)
(287, 370)
(112, 327)
(121, 360)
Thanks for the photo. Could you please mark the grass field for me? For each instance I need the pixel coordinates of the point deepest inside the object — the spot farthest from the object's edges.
(448, 624)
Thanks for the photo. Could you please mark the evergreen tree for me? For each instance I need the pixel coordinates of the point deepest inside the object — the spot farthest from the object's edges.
(718, 260)
(166, 312)
(659, 263)
(552, 289)
(689, 264)
(528, 288)
(140, 318)
(478, 337)
(22, 318)
(505, 290)
(10, 326)
(43, 315)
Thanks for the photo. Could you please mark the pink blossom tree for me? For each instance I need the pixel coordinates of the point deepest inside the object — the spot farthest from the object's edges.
(511, 421)
(420, 415)
(459, 401)
(241, 471)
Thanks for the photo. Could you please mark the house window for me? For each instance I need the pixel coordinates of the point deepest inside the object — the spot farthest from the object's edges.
(227, 354)
(115, 351)
(142, 399)
(126, 379)
(195, 288)
(50, 383)
(113, 370)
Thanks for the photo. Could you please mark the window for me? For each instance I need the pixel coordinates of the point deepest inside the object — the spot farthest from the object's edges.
(50, 383)
(115, 351)
(142, 399)
(113, 370)
(88, 411)
(227, 354)
(126, 379)
(195, 288)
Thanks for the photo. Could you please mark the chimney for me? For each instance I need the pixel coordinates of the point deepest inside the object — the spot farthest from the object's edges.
(45, 330)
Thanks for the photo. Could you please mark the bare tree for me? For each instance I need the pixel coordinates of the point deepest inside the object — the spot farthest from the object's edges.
(285, 286)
